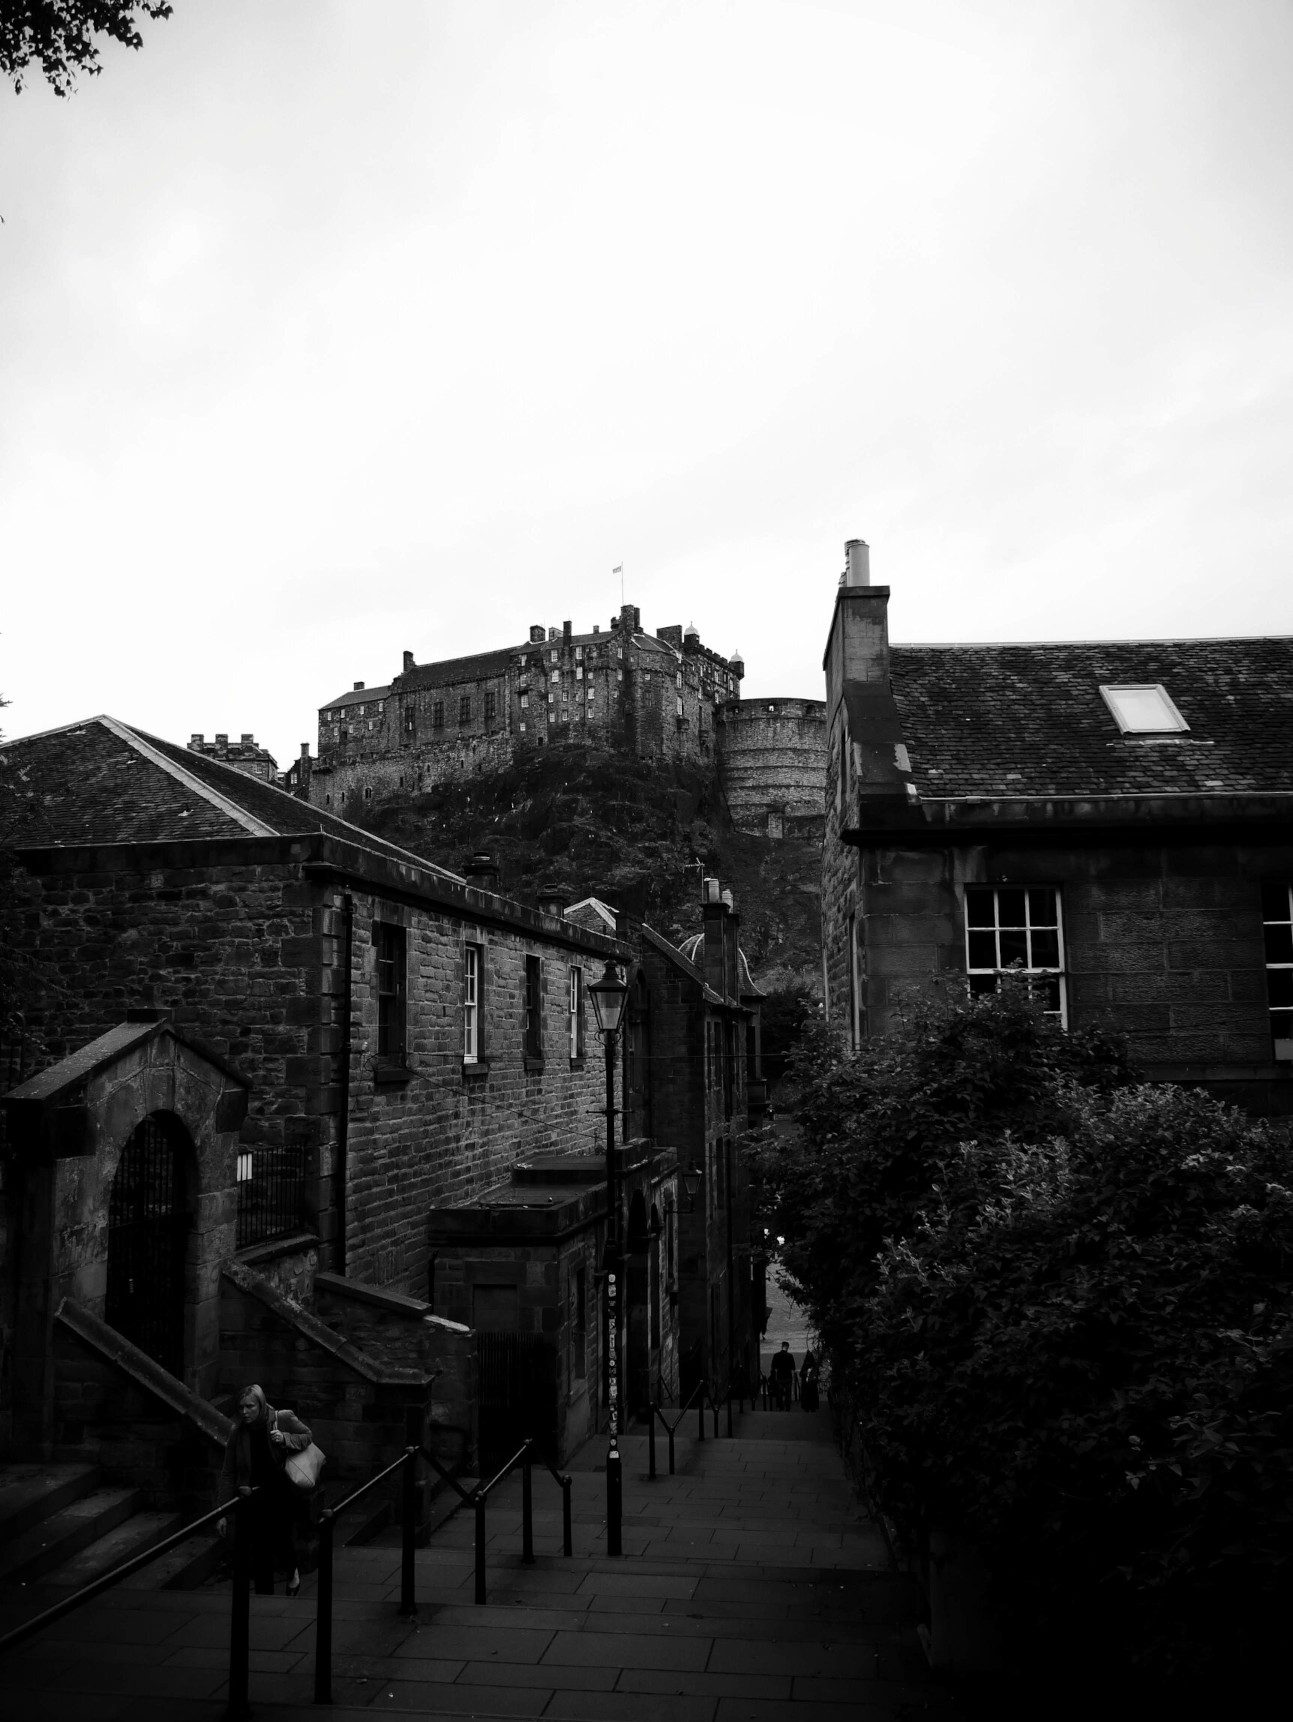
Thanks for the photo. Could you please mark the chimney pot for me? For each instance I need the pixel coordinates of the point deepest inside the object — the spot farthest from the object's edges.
(710, 891)
(857, 562)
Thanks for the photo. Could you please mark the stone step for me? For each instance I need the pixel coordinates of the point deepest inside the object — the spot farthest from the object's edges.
(41, 1548)
(135, 1534)
(31, 1492)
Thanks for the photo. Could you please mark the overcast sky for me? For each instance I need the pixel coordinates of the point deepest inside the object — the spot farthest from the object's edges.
(333, 330)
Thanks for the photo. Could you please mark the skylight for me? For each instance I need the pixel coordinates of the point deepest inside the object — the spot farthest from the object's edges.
(1143, 708)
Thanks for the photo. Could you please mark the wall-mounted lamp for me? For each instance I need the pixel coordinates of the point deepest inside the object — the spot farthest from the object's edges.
(691, 1181)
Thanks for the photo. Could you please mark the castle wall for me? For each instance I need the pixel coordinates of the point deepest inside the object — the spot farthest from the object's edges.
(772, 757)
(654, 697)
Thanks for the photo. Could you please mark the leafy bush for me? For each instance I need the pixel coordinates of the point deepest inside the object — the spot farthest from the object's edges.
(1073, 1343)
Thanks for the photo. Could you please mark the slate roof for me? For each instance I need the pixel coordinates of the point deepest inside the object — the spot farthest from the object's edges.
(358, 696)
(103, 782)
(1029, 720)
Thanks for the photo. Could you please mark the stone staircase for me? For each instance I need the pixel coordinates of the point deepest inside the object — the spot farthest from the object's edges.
(61, 1526)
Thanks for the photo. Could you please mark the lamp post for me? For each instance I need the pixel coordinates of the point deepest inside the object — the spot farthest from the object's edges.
(609, 996)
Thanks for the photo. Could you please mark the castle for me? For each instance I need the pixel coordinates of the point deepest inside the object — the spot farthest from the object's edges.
(665, 696)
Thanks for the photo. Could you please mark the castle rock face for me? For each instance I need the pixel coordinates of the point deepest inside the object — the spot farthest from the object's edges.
(665, 696)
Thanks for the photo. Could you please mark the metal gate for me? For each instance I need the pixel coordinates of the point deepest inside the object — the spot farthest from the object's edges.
(516, 1376)
(148, 1229)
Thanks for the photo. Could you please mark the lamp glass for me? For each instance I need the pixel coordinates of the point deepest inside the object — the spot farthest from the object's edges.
(609, 996)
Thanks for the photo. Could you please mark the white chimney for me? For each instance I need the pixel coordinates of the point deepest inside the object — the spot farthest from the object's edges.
(857, 563)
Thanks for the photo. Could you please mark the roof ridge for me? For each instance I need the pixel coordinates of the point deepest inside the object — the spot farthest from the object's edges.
(1148, 640)
(143, 743)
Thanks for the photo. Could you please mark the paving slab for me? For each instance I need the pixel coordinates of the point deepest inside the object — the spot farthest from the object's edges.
(752, 1588)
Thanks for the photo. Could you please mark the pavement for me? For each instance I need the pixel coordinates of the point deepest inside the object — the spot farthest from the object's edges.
(751, 1589)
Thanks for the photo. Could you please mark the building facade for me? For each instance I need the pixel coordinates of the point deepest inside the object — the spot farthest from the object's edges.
(404, 1037)
(245, 754)
(656, 696)
(1111, 820)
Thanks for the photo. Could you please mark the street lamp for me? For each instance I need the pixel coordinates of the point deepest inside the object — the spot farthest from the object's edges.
(609, 996)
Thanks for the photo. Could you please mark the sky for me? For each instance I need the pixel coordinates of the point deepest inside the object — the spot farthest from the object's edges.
(334, 330)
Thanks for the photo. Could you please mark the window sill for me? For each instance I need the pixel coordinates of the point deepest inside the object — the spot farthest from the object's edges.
(392, 1073)
(534, 1064)
(475, 1069)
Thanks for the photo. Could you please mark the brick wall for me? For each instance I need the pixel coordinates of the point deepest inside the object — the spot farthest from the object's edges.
(450, 1130)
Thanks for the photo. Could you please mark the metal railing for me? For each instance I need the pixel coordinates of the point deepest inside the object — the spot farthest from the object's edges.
(695, 1397)
(271, 1199)
(525, 1459)
(236, 1509)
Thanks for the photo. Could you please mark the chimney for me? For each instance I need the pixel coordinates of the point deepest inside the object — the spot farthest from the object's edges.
(408, 662)
(552, 633)
(222, 740)
(305, 750)
(565, 633)
(860, 709)
(597, 628)
(359, 687)
(672, 636)
(857, 563)
(719, 945)
(630, 619)
(482, 871)
(248, 740)
(197, 739)
(552, 902)
(536, 634)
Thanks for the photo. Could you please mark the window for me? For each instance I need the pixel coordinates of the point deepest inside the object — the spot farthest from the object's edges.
(410, 720)
(552, 657)
(576, 1013)
(555, 676)
(1143, 708)
(437, 715)
(579, 1324)
(472, 965)
(1277, 916)
(464, 709)
(491, 706)
(391, 943)
(525, 699)
(1010, 928)
(533, 1007)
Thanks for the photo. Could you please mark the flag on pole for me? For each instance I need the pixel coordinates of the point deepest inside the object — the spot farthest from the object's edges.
(618, 570)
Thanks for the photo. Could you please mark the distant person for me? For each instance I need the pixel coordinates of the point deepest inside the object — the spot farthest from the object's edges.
(781, 1374)
(253, 1459)
(808, 1396)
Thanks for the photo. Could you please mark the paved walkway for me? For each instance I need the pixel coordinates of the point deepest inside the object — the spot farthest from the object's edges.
(751, 1589)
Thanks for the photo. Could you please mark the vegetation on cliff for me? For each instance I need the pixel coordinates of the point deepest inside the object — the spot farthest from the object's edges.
(582, 821)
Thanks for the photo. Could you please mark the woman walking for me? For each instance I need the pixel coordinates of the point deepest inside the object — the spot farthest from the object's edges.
(253, 1459)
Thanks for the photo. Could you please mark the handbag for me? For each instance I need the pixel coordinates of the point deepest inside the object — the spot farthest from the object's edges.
(304, 1469)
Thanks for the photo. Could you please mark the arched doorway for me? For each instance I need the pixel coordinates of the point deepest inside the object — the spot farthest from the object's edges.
(148, 1232)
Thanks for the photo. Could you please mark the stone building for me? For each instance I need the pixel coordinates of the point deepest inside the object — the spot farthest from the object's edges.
(1113, 819)
(245, 754)
(772, 764)
(654, 696)
(401, 1038)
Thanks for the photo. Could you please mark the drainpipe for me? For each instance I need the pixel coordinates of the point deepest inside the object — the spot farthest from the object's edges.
(343, 1122)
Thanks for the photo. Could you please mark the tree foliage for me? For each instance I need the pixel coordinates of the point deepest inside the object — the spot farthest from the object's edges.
(1062, 1304)
(63, 37)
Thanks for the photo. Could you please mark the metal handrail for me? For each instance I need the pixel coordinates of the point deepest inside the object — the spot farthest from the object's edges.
(327, 1523)
(105, 1581)
(697, 1394)
(523, 1457)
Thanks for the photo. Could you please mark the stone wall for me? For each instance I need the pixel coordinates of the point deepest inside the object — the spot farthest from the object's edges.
(1163, 942)
(772, 761)
(652, 697)
(445, 1130)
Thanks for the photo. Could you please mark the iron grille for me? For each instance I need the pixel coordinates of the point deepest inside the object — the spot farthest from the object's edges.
(148, 1229)
(271, 1193)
